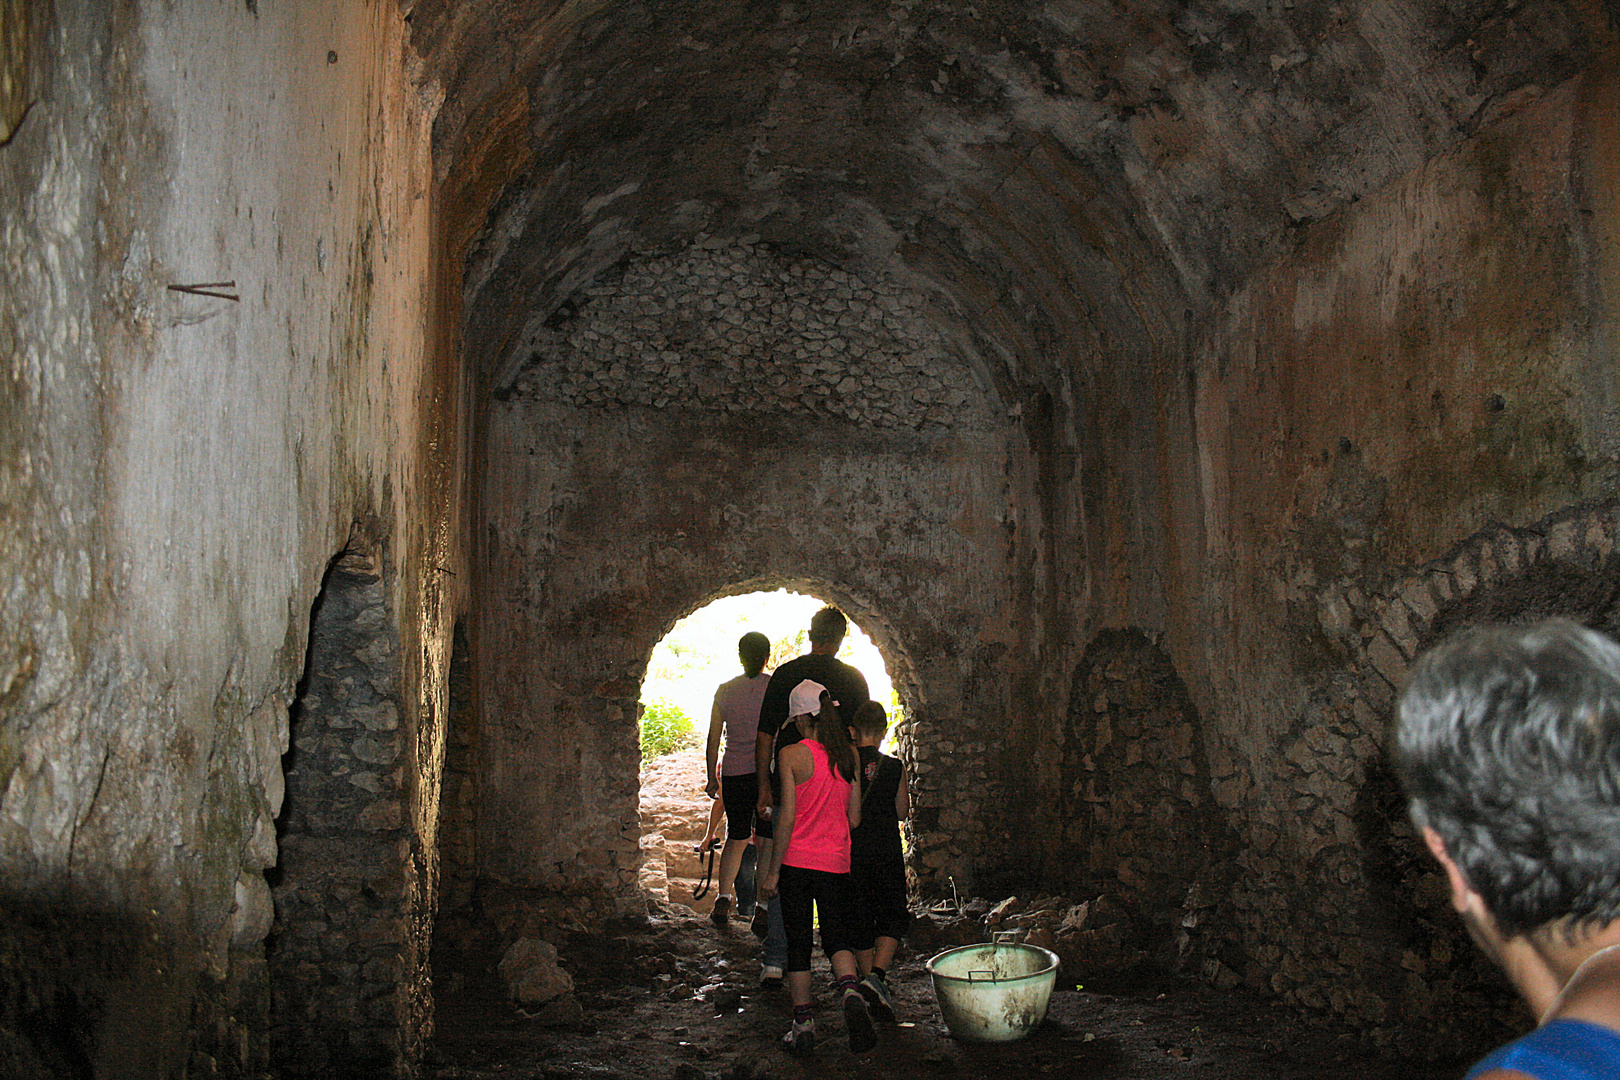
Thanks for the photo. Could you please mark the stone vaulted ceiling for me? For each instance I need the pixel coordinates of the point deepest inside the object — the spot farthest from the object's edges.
(1067, 178)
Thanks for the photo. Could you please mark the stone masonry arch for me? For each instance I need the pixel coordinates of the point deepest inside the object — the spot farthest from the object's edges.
(603, 527)
(1324, 825)
(889, 639)
(889, 643)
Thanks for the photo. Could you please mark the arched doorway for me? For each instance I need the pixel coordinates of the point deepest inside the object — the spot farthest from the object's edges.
(694, 657)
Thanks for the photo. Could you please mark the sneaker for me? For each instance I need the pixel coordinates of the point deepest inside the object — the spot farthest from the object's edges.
(858, 1021)
(800, 1039)
(761, 924)
(770, 977)
(722, 911)
(876, 993)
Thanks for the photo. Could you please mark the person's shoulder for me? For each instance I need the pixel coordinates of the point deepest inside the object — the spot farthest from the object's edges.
(852, 673)
(786, 669)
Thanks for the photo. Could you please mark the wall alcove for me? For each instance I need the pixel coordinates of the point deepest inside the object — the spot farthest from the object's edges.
(344, 977)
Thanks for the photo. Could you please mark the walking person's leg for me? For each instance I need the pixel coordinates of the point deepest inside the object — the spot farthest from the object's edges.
(795, 899)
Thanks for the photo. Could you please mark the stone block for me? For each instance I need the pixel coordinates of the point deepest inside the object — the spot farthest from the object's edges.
(1393, 620)
(1464, 574)
(1418, 599)
(1387, 660)
(1564, 540)
(381, 817)
(1599, 537)
(532, 974)
(1508, 550)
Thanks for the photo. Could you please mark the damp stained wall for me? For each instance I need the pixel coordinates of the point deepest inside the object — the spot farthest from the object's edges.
(1415, 407)
(178, 471)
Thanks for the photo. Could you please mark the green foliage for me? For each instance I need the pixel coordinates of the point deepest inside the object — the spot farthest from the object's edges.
(665, 728)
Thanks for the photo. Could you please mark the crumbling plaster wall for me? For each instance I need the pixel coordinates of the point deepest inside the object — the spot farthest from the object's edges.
(178, 471)
(1433, 363)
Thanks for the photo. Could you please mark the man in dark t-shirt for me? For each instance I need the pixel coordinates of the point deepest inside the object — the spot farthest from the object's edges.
(846, 685)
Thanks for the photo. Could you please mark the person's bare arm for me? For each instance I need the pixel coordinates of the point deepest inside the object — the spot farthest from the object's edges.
(717, 817)
(902, 797)
(854, 807)
(762, 770)
(797, 765)
(711, 754)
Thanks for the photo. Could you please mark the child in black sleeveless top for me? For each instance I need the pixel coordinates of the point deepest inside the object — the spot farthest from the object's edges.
(877, 863)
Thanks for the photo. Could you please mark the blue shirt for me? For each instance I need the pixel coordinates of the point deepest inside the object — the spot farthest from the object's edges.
(1560, 1050)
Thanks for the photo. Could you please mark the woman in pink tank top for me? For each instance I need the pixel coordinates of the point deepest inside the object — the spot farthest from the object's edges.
(809, 863)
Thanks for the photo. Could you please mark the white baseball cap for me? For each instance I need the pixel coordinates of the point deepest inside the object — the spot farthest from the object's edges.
(805, 699)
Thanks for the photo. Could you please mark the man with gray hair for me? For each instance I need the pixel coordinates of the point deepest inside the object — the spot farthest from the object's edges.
(1508, 746)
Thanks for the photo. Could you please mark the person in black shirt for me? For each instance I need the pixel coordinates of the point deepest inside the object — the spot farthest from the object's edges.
(846, 685)
(877, 861)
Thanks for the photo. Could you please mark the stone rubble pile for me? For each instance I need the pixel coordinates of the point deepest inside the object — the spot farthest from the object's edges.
(537, 983)
(1090, 937)
(732, 327)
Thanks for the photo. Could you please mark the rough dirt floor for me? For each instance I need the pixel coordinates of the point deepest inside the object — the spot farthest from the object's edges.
(678, 1000)
(675, 998)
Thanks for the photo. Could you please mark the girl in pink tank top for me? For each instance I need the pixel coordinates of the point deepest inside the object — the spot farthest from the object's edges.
(809, 863)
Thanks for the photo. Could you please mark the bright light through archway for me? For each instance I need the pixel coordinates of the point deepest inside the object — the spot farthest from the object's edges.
(700, 652)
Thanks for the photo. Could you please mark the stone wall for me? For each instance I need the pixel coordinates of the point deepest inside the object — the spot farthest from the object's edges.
(348, 953)
(179, 468)
(1135, 807)
(1414, 405)
(610, 516)
(727, 326)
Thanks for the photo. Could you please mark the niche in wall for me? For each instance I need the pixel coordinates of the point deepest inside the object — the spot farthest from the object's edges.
(1134, 807)
(341, 886)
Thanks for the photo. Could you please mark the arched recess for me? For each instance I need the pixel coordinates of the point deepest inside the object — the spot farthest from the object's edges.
(348, 975)
(1335, 902)
(896, 658)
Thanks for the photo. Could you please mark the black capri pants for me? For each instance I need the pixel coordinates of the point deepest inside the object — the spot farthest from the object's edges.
(741, 795)
(830, 894)
(881, 904)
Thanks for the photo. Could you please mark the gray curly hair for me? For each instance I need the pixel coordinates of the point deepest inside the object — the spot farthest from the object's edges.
(1507, 743)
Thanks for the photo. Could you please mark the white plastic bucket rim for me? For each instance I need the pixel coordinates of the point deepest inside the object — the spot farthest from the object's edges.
(993, 991)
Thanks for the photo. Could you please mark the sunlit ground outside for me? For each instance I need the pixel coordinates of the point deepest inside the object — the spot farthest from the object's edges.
(700, 652)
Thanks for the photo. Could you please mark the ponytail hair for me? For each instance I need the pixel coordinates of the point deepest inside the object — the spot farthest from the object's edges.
(834, 736)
